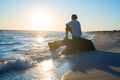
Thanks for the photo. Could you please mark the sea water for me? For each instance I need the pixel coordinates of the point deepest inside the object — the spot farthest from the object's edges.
(24, 54)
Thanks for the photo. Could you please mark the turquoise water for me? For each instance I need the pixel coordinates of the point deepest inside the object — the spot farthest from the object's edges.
(24, 55)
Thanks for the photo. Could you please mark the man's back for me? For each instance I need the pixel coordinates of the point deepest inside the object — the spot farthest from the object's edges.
(76, 28)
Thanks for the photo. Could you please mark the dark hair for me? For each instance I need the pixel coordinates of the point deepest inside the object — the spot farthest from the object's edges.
(74, 16)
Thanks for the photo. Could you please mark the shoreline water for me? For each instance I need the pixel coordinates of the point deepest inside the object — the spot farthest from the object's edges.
(103, 41)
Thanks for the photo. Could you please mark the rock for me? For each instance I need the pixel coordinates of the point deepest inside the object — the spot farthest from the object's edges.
(73, 45)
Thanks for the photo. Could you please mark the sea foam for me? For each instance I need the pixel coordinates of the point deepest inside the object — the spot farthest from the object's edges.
(18, 64)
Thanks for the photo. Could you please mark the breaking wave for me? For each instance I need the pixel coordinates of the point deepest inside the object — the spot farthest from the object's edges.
(20, 63)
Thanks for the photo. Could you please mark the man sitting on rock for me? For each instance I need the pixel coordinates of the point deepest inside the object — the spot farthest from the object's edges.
(76, 44)
(73, 27)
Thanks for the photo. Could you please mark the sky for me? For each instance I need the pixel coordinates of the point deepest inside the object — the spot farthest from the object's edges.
(94, 15)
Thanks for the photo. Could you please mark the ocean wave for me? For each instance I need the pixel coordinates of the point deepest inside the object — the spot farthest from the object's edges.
(10, 43)
(22, 62)
(18, 64)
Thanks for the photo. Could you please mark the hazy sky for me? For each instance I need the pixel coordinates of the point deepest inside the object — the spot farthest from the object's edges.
(27, 14)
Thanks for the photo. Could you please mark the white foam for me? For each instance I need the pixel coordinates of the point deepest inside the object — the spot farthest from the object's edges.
(18, 64)
(58, 52)
(54, 54)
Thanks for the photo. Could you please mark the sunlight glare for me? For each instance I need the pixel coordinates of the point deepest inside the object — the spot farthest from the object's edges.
(47, 65)
(48, 69)
(41, 21)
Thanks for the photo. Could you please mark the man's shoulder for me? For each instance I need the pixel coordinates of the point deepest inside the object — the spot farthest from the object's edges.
(73, 21)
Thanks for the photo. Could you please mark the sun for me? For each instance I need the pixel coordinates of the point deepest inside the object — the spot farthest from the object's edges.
(41, 21)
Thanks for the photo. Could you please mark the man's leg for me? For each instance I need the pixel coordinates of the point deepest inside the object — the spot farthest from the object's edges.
(68, 29)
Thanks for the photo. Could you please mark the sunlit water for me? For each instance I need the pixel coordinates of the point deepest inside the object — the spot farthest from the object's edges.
(24, 55)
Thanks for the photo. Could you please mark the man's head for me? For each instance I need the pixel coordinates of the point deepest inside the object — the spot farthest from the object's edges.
(74, 16)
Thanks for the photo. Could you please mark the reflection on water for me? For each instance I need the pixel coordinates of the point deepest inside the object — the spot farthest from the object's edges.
(48, 70)
(47, 65)
(40, 44)
(40, 39)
